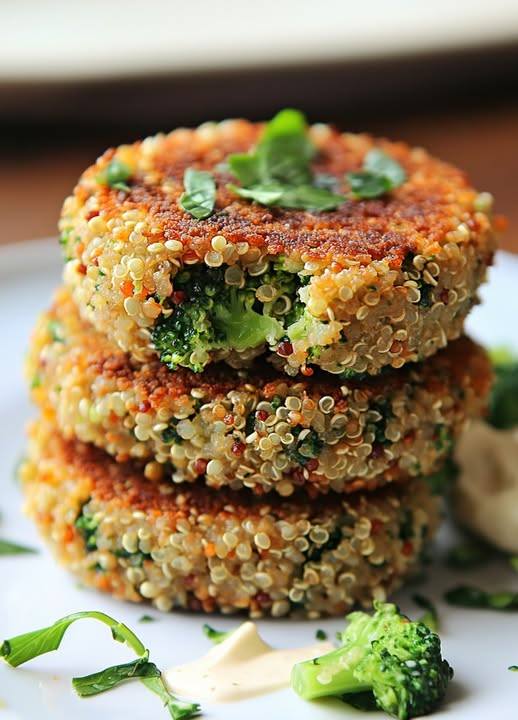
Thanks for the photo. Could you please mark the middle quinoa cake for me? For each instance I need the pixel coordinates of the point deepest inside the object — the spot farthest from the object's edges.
(204, 550)
(255, 428)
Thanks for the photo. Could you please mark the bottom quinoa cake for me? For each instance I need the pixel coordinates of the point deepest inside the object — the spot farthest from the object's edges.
(207, 550)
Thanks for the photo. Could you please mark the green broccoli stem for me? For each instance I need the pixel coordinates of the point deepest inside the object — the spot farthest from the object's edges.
(327, 675)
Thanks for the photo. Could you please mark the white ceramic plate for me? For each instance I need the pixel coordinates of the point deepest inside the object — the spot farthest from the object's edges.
(59, 40)
(34, 591)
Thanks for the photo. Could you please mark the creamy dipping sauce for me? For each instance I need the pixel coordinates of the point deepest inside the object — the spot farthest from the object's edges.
(242, 666)
(487, 490)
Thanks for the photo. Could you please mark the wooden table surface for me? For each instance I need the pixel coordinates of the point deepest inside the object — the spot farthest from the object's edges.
(484, 142)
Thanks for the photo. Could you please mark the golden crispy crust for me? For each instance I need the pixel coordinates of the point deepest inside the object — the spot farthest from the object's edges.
(422, 211)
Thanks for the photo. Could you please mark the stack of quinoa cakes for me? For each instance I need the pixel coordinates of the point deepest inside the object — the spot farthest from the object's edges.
(254, 366)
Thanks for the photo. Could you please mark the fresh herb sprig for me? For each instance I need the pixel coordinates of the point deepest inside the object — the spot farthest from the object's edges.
(278, 171)
(215, 636)
(10, 548)
(22, 648)
(473, 597)
(379, 175)
(199, 197)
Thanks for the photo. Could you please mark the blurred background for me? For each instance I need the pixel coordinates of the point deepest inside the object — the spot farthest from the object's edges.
(76, 77)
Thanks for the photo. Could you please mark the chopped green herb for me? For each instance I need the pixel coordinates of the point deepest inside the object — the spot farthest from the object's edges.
(430, 618)
(215, 636)
(199, 197)
(87, 526)
(513, 668)
(467, 596)
(22, 648)
(321, 634)
(146, 619)
(380, 174)
(11, 548)
(278, 171)
(115, 175)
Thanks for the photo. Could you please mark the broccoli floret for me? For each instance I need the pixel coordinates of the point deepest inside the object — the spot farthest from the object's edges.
(189, 327)
(396, 661)
(208, 314)
(503, 405)
(242, 327)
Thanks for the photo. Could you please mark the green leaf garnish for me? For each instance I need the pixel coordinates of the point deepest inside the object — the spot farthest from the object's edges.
(146, 619)
(263, 193)
(110, 677)
(200, 193)
(215, 636)
(278, 171)
(379, 163)
(513, 668)
(468, 596)
(22, 648)
(115, 175)
(380, 174)
(366, 185)
(430, 617)
(178, 709)
(11, 548)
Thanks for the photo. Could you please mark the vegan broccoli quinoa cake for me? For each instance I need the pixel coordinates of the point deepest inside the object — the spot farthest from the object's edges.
(317, 247)
(205, 550)
(254, 428)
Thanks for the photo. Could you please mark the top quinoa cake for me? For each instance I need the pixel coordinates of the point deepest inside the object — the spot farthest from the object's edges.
(346, 252)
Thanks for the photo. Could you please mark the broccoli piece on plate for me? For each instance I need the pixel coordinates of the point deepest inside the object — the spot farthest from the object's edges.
(385, 655)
